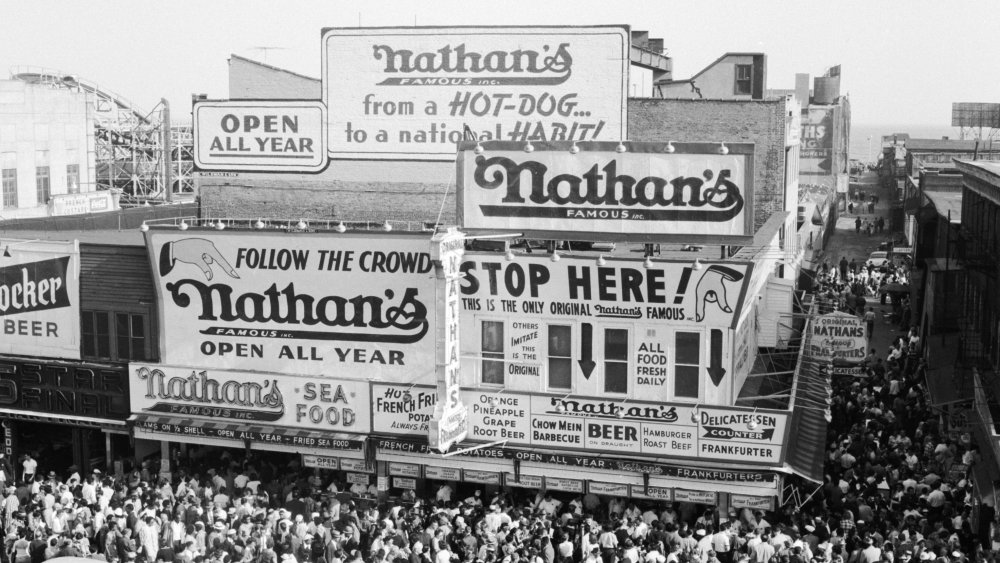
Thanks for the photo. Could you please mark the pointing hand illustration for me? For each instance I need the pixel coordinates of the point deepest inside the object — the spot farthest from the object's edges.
(198, 252)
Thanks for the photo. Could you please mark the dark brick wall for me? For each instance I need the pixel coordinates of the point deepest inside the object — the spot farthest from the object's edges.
(758, 122)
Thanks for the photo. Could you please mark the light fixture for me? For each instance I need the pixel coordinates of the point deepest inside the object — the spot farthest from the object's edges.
(220, 225)
(340, 228)
(301, 225)
(555, 255)
(509, 256)
(407, 397)
(144, 227)
(560, 407)
(669, 149)
(601, 261)
(259, 224)
(621, 409)
(647, 263)
(621, 148)
(574, 149)
(696, 265)
(492, 399)
(694, 414)
(723, 149)
(479, 148)
(387, 226)
(183, 226)
(752, 424)
(528, 147)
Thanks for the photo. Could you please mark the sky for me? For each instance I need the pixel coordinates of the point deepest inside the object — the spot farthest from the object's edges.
(903, 62)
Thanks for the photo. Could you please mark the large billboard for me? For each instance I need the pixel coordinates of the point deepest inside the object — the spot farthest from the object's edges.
(816, 151)
(354, 306)
(260, 136)
(598, 425)
(40, 299)
(312, 403)
(409, 93)
(609, 191)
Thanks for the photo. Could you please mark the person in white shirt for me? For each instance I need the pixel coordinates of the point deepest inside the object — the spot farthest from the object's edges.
(30, 468)
(444, 493)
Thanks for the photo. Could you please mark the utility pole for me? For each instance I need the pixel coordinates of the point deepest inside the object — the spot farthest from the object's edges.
(167, 149)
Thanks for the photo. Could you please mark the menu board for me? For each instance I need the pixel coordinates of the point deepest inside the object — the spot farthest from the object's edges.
(442, 473)
(484, 477)
(404, 469)
(526, 481)
(567, 485)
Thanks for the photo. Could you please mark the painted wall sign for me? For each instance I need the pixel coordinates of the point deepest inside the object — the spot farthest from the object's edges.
(449, 422)
(816, 141)
(593, 188)
(608, 426)
(410, 92)
(260, 136)
(85, 390)
(341, 305)
(655, 493)
(40, 299)
(837, 336)
(526, 481)
(320, 461)
(442, 473)
(751, 502)
(484, 477)
(696, 497)
(312, 403)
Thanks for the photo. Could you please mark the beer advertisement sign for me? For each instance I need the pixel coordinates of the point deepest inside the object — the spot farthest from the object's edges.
(414, 92)
(40, 298)
(353, 306)
(609, 191)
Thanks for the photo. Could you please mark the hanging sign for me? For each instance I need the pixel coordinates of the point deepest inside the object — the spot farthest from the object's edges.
(449, 423)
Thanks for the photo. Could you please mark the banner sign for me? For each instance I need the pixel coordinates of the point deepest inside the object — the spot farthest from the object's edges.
(442, 473)
(696, 497)
(654, 493)
(358, 306)
(766, 479)
(450, 421)
(40, 299)
(78, 204)
(260, 136)
(484, 477)
(94, 391)
(751, 502)
(837, 336)
(410, 93)
(525, 482)
(816, 141)
(320, 462)
(609, 489)
(311, 403)
(604, 192)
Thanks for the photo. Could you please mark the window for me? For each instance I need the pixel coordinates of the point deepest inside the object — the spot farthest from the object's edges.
(72, 178)
(131, 335)
(560, 357)
(124, 340)
(9, 187)
(96, 334)
(744, 79)
(615, 360)
(687, 364)
(42, 184)
(492, 372)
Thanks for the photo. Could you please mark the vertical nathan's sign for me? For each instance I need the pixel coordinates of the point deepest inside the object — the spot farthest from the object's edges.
(450, 422)
(342, 305)
(410, 92)
(609, 191)
(40, 299)
(260, 136)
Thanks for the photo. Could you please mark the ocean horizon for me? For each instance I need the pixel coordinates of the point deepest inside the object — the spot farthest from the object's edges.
(861, 131)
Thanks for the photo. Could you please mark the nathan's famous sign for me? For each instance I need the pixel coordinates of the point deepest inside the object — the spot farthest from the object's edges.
(360, 307)
(40, 299)
(412, 92)
(608, 191)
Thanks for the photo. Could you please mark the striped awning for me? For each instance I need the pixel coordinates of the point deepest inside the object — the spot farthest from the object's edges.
(195, 430)
(79, 421)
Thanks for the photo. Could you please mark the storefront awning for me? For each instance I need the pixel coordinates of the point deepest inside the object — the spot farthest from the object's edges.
(804, 453)
(242, 434)
(70, 420)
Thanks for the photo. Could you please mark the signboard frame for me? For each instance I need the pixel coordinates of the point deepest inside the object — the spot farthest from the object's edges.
(652, 152)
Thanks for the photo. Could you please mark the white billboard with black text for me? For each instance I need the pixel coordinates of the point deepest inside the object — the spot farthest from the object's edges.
(690, 192)
(410, 93)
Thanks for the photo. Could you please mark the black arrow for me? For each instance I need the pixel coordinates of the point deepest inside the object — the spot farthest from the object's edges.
(715, 369)
(586, 362)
